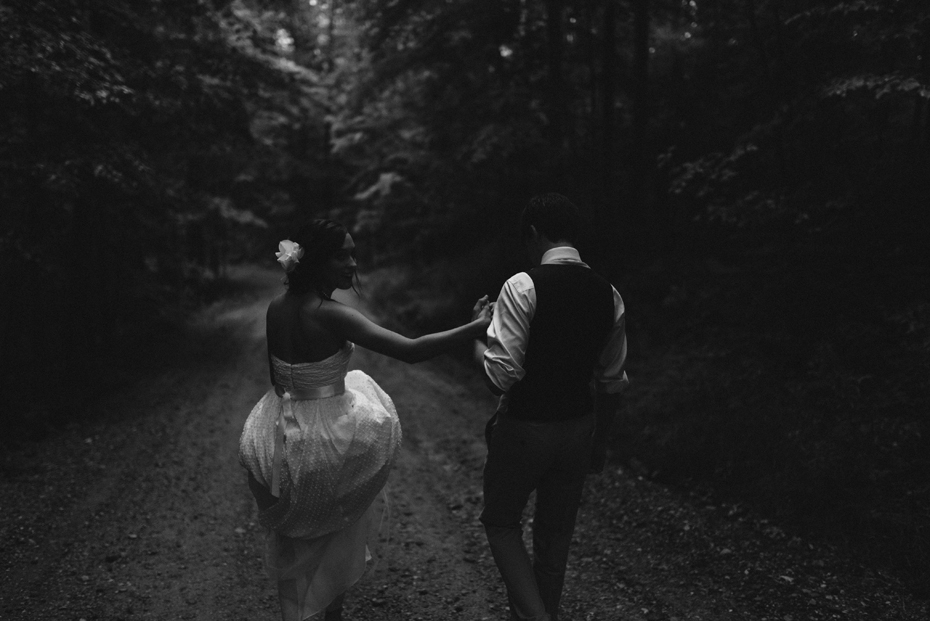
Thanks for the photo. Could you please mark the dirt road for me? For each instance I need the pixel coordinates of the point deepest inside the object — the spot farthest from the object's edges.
(140, 511)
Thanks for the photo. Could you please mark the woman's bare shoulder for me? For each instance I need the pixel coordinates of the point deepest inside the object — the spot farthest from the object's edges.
(275, 305)
(328, 310)
(324, 320)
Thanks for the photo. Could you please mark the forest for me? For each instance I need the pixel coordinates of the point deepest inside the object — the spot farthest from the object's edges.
(754, 175)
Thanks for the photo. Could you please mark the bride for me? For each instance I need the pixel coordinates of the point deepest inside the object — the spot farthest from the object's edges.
(319, 445)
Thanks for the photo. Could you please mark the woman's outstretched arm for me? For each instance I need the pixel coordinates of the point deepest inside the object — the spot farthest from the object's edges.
(357, 328)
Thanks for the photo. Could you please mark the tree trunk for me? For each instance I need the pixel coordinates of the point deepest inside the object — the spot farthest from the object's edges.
(608, 96)
(554, 9)
(772, 90)
(331, 37)
(589, 43)
(638, 154)
(917, 121)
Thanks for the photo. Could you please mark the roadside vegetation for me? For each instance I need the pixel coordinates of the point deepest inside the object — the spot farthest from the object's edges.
(754, 173)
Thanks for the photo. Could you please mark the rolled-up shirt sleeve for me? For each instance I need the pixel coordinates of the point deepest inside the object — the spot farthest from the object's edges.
(609, 373)
(509, 332)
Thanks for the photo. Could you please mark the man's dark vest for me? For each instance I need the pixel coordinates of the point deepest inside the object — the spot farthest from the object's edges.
(573, 317)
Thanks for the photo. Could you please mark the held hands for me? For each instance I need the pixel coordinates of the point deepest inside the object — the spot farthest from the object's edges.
(482, 312)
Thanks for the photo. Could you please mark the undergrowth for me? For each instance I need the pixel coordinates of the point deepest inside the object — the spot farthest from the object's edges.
(775, 382)
(37, 396)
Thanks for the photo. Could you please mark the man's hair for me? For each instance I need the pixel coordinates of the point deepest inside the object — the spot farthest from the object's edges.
(553, 215)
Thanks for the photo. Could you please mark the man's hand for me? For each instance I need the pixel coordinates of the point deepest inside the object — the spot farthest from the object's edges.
(482, 310)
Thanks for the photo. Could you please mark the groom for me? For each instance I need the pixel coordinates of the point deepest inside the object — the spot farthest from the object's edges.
(555, 329)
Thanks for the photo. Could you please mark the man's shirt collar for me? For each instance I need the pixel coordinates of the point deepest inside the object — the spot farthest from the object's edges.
(561, 254)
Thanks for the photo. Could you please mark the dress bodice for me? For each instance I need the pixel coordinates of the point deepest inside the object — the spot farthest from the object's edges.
(304, 376)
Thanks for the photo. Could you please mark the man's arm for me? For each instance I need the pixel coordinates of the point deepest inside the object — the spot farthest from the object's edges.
(501, 359)
(611, 380)
(480, 348)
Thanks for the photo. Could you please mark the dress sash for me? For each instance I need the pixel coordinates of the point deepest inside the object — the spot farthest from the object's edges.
(287, 416)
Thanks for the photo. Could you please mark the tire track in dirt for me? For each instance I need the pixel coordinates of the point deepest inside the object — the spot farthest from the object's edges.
(131, 512)
(141, 511)
(433, 562)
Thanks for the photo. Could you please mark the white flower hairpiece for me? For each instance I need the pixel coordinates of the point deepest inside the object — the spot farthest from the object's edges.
(288, 254)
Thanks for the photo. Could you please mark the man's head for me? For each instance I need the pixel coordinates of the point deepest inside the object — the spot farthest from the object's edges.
(552, 216)
(548, 220)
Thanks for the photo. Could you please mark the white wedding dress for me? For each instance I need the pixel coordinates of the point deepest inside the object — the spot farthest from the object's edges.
(324, 447)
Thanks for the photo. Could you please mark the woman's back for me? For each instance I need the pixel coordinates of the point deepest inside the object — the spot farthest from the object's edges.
(294, 331)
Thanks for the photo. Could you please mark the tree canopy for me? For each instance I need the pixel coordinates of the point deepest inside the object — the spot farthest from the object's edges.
(754, 175)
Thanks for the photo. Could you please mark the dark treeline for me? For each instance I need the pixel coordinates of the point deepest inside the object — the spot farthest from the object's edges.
(756, 174)
(141, 151)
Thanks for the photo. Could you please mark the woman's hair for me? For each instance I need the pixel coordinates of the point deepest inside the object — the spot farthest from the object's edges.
(553, 215)
(320, 240)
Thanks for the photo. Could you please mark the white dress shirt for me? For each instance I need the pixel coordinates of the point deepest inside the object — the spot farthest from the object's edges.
(509, 332)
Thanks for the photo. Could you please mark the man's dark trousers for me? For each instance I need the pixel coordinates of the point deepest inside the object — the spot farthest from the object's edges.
(552, 458)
